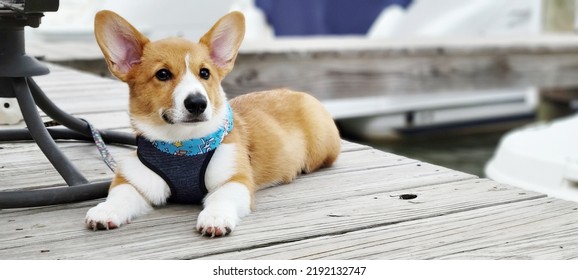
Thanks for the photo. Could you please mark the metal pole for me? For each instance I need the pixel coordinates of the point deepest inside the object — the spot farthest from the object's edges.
(61, 163)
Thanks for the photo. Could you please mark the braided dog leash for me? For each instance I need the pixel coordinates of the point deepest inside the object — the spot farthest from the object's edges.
(97, 138)
(102, 149)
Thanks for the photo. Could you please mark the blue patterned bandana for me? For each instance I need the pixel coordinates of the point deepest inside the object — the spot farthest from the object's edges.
(197, 146)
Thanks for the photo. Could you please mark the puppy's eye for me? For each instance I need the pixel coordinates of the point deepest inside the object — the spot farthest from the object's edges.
(163, 75)
(6, 105)
(204, 73)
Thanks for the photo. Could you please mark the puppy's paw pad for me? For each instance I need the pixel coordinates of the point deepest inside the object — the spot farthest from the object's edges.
(214, 231)
(94, 225)
(102, 217)
(214, 223)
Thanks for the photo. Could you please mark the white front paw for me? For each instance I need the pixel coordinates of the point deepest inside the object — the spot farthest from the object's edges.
(122, 204)
(217, 221)
(105, 216)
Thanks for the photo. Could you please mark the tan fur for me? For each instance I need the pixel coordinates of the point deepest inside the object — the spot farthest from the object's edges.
(278, 134)
(285, 133)
(118, 180)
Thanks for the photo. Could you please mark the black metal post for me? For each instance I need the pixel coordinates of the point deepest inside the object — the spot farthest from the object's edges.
(13, 60)
(61, 163)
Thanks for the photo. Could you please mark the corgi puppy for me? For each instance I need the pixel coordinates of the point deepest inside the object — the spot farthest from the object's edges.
(195, 146)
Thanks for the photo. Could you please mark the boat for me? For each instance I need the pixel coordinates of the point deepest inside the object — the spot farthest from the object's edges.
(420, 112)
(392, 117)
(541, 157)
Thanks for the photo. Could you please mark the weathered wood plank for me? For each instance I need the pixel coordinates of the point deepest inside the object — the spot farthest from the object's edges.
(168, 232)
(533, 229)
(78, 92)
(381, 74)
(63, 50)
(118, 120)
(340, 68)
(34, 170)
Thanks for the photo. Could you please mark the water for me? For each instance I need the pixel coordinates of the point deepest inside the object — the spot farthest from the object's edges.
(467, 153)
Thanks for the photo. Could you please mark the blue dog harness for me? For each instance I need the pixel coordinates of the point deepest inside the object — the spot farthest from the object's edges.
(183, 164)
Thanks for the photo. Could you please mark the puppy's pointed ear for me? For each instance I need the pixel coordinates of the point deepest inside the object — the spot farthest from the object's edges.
(224, 40)
(121, 44)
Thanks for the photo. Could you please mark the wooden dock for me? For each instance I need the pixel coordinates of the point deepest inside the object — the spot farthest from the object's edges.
(353, 210)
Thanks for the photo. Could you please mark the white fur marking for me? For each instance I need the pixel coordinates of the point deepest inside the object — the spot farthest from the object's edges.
(221, 167)
(122, 205)
(225, 207)
(188, 85)
(149, 184)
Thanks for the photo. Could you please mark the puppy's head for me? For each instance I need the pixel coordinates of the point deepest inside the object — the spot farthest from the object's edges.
(175, 84)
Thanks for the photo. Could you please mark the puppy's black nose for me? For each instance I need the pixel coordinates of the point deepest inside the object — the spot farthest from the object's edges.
(196, 104)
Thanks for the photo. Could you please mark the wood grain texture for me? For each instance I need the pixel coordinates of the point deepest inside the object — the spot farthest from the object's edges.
(332, 68)
(381, 74)
(532, 229)
(168, 232)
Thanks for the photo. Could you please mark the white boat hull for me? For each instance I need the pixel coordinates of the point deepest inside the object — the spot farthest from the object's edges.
(540, 157)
